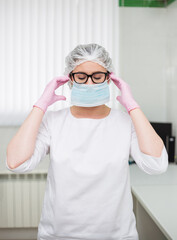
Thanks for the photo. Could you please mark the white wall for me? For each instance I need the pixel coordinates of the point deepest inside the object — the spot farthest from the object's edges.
(148, 59)
(171, 66)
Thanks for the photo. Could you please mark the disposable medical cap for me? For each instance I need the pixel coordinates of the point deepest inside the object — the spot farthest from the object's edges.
(88, 52)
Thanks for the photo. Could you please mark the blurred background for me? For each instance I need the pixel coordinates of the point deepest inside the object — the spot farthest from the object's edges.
(35, 38)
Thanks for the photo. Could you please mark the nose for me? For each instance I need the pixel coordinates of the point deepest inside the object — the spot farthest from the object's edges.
(89, 81)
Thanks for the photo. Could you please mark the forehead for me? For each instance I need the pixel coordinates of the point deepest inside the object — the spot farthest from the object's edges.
(89, 67)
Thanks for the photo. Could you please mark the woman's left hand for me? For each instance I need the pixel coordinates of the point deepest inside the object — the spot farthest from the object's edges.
(126, 98)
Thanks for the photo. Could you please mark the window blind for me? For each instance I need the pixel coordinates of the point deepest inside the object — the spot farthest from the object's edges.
(36, 36)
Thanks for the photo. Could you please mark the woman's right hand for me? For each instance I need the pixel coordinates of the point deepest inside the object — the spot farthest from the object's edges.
(49, 97)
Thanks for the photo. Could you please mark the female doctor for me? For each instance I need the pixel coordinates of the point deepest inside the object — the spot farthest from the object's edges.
(88, 193)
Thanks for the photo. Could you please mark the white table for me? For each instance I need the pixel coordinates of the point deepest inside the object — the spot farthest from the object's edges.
(157, 195)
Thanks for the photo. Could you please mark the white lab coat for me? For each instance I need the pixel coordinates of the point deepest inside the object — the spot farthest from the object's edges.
(88, 193)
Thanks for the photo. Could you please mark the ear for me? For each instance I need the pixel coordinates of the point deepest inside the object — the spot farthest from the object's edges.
(109, 79)
(70, 76)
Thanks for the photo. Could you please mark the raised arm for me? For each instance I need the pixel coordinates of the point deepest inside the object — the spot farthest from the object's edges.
(22, 145)
(149, 141)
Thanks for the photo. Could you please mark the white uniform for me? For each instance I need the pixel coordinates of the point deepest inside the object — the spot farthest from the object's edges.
(88, 193)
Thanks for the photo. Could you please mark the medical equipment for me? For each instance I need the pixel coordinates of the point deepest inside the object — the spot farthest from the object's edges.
(126, 98)
(89, 95)
(49, 97)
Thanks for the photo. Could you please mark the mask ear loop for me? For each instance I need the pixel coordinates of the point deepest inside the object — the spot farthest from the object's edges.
(70, 82)
(109, 79)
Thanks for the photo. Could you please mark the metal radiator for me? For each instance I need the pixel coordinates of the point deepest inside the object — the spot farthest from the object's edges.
(21, 198)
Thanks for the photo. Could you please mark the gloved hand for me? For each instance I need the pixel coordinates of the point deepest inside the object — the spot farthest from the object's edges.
(126, 98)
(49, 97)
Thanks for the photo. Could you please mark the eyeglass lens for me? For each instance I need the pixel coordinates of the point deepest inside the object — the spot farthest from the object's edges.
(97, 77)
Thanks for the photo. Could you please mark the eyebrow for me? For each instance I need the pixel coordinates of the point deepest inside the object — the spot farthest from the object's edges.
(89, 73)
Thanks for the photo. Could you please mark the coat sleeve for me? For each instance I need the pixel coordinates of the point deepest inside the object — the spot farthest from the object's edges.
(42, 148)
(149, 164)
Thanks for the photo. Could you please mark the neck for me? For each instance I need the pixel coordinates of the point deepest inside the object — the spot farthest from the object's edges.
(90, 111)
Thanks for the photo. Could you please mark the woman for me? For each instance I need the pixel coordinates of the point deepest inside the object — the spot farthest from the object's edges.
(88, 194)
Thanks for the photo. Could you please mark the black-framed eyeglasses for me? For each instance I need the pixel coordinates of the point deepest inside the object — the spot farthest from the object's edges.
(97, 77)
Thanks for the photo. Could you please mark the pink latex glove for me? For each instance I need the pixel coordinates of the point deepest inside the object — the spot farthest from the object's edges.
(49, 97)
(126, 98)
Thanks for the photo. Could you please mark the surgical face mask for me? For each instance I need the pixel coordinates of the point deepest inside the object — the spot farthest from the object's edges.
(90, 95)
